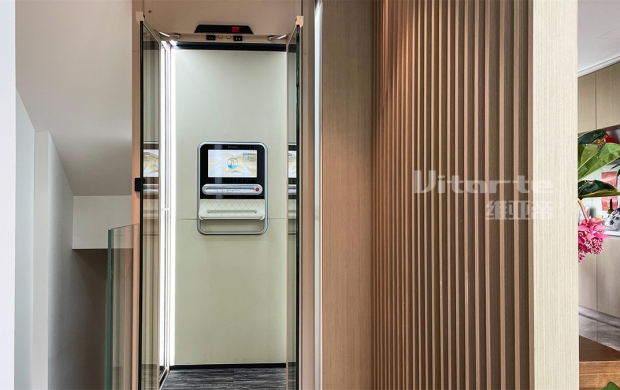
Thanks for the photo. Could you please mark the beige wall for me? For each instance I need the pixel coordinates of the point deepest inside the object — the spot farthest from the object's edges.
(553, 242)
(587, 103)
(599, 106)
(230, 290)
(598, 279)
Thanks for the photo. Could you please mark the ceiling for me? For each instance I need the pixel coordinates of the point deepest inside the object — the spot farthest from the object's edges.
(74, 69)
(599, 33)
(265, 17)
(74, 73)
(74, 76)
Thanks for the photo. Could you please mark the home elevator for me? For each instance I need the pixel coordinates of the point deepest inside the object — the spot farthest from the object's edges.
(179, 297)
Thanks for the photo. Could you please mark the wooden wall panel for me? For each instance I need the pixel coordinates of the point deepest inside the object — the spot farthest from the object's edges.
(136, 114)
(553, 116)
(346, 194)
(607, 90)
(452, 263)
(587, 103)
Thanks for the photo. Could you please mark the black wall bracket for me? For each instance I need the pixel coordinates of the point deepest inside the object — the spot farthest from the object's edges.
(137, 184)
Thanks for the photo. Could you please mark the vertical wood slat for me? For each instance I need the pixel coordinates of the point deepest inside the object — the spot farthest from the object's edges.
(450, 348)
(468, 245)
(458, 169)
(408, 174)
(425, 167)
(417, 205)
(451, 288)
(479, 296)
(515, 171)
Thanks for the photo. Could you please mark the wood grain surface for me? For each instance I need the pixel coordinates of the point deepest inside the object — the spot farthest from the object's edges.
(598, 365)
(452, 267)
(346, 194)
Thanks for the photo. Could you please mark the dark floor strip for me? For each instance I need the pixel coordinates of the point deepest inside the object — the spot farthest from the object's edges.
(212, 366)
(600, 317)
(227, 378)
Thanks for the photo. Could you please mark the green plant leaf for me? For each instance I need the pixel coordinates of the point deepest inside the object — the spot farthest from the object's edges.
(606, 155)
(585, 153)
(591, 136)
(595, 189)
(611, 386)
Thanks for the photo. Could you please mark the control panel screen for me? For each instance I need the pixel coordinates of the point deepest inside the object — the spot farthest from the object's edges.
(292, 164)
(232, 163)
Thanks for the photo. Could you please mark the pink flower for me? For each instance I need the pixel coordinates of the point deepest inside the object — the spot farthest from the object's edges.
(591, 236)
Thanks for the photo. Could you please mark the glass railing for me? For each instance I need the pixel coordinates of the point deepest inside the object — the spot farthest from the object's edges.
(122, 308)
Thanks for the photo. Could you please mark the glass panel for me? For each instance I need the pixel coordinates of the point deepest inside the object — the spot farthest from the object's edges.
(122, 308)
(164, 219)
(292, 58)
(150, 209)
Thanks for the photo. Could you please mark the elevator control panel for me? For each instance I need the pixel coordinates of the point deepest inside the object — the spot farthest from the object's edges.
(232, 187)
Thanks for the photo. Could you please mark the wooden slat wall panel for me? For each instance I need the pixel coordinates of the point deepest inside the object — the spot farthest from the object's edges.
(451, 282)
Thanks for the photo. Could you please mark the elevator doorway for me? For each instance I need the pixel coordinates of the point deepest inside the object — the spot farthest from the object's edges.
(218, 303)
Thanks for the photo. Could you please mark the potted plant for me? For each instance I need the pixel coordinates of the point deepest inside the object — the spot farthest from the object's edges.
(595, 150)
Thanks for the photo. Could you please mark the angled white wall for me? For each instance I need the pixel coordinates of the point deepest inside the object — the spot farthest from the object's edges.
(69, 286)
(53, 208)
(44, 153)
(24, 229)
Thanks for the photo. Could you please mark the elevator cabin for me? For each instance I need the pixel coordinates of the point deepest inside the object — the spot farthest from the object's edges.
(202, 292)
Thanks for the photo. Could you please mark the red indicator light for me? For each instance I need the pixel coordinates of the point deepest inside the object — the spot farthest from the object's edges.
(235, 29)
(257, 189)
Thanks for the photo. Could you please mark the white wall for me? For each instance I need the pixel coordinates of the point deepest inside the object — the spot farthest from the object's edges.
(230, 290)
(42, 236)
(81, 92)
(62, 335)
(69, 287)
(24, 229)
(93, 216)
(7, 195)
